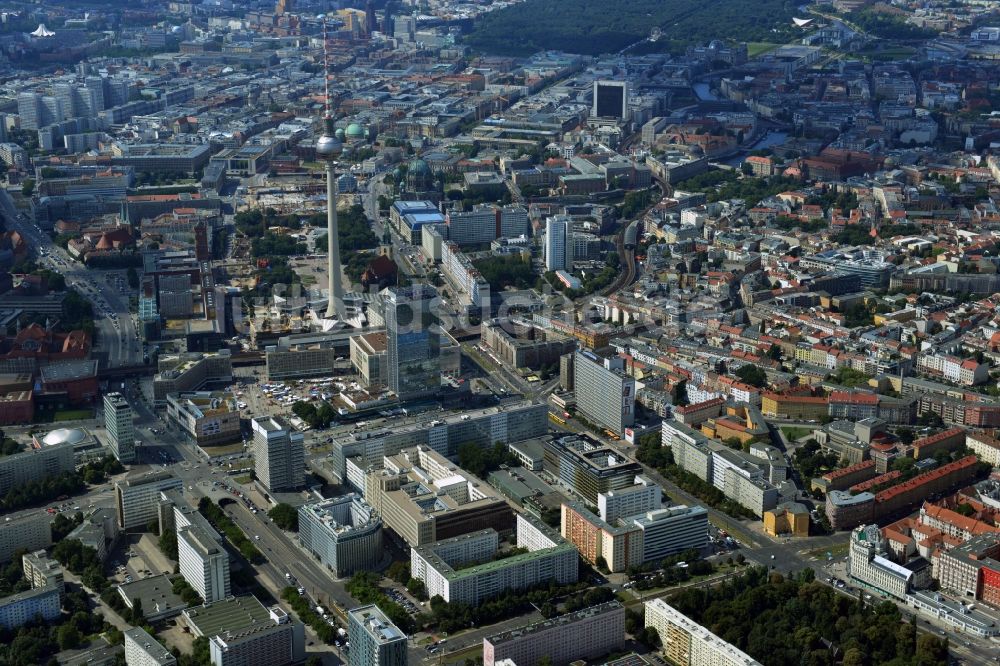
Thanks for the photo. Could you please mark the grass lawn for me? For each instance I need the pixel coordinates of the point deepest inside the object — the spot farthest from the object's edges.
(67, 415)
(755, 49)
(243, 479)
(794, 432)
(891, 53)
(223, 449)
(308, 280)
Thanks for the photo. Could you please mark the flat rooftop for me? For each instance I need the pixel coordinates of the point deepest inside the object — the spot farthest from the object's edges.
(156, 594)
(376, 624)
(554, 623)
(230, 614)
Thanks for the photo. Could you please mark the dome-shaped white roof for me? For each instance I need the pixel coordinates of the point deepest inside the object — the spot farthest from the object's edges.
(64, 436)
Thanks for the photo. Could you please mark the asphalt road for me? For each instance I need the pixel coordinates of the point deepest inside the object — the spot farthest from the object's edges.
(116, 337)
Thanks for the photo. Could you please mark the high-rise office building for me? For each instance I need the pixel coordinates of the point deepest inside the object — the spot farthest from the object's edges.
(414, 348)
(558, 245)
(203, 562)
(375, 640)
(118, 418)
(279, 456)
(610, 99)
(604, 393)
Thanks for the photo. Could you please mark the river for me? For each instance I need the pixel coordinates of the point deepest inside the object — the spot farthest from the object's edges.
(704, 93)
(772, 138)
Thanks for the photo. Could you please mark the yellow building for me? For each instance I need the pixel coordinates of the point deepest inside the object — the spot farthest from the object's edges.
(801, 407)
(788, 518)
(743, 422)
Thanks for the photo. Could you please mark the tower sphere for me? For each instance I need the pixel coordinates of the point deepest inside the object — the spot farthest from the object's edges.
(328, 147)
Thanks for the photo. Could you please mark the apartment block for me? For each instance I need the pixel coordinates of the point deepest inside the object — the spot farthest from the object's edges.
(42, 571)
(444, 566)
(36, 463)
(141, 649)
(986, 448)
(643, 496)
(242, 632)
(29, 532)
(630, 541)
(23, 607)
(585, 634)
(687, 643)
(204, 562)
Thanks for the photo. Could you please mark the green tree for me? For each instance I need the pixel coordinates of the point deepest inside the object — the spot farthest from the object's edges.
(68, 637)
(752, 375)
(168, 544)
(285, 516)
(133, 277)
(28, 187)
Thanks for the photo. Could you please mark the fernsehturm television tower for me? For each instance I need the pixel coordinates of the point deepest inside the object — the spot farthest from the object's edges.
(328, 149)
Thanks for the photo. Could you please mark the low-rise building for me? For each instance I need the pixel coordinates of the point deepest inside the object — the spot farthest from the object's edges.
(188, 372)
(42, 571)
(205, 418)
(343, 533)
(787, 518)
(525, 346)
(584, 634)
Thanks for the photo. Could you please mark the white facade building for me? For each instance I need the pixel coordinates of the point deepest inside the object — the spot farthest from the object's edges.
(141, 649)
(138, 497)
(279, 454)
(642, 497)
(687, 643)
(118, 420)
(204, 563)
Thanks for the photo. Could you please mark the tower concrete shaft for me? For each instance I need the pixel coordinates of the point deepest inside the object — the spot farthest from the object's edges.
(335, 307)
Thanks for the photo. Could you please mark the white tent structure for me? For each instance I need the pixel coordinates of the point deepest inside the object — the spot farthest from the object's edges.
(42, 31)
